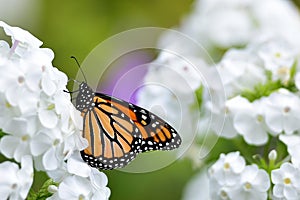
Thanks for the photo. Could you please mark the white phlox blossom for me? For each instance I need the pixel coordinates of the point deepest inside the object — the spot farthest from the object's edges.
(77, 180)
(34, 101)
(243, 70)
(229, 109)
(250, 123)
(227, 169)
(219, 25)
(293, 147)
(282, 112)
(278, 57)
(15, 183)
(286, 182)
(233, 67)
(41, 124)
(253, 184)
(230, 178)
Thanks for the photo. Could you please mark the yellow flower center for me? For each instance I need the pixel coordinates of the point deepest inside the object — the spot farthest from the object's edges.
(287, 181)
(81, 197)
(277, 54)
(259, 118)
(51, 106)
(223, 194)
(283, 71)
(247, 186)
(24, 138)
(55, 142)
(8, 105)
(226, 166)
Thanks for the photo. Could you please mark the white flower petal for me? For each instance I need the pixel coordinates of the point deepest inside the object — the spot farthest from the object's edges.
(40, 144)
(8, 145)
(16, 126)
(76, 166)
(73, 187)
(50, 160)
(48, 85)
(48, 118)
(20, 35)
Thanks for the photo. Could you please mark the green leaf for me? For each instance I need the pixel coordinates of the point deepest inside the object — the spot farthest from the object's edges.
(261, 90)
(43, 193)
(199, 94)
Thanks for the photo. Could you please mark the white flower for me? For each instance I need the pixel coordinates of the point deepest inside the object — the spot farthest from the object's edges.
(79, 181)
(19, 84)
(41, 122)
(233, 67)
(231, 107)
(279, 58)
(21, 35)
(184, 74)
(15, 183)
(286, 182)
(48, 144)
(282, 20)
(282, 110)
(75, 187)
(293, 147)
(226, 171)
(17, 144)
(193, 191)
(250, 123)
(31, 92)
(233, 21)
(99, 182)
(254, 184)
(240, 22)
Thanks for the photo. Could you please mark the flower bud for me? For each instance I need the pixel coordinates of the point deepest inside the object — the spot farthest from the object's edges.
(272, 155)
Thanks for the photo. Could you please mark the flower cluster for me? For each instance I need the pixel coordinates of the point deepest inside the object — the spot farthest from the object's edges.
(257, 55)
(79, 181)
(231, 178)
(219, 25)
(40, 126)
(262, 103)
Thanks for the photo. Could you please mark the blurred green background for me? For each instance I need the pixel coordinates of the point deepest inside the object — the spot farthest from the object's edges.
(75, 28)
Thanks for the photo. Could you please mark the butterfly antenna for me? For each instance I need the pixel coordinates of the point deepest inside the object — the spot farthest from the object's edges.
(73, 57)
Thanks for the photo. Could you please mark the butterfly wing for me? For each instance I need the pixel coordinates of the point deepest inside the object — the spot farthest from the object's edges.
(156, 134)
(112, 142)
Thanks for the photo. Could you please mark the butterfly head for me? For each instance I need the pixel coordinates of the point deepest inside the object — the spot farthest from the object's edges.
(85, 97)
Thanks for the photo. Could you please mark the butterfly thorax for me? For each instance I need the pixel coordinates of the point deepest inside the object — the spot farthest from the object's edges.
(85, 97)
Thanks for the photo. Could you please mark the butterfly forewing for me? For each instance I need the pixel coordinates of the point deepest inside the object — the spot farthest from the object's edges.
(117, 130)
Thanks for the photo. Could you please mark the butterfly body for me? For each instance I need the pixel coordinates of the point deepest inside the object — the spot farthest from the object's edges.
(117, 130)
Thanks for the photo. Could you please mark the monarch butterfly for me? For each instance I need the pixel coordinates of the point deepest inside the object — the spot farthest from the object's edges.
(117, 130)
